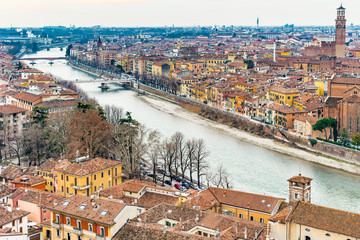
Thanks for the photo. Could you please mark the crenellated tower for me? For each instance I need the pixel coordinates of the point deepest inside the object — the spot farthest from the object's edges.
(340, 33)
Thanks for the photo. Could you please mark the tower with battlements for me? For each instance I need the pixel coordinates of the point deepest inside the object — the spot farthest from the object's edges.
(340, 33)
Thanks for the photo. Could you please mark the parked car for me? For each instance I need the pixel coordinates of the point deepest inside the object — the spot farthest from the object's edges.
(182, 188)
(194, 186)
(177, 186)
(168, 182)
(185, 184)
(151, 175)
(178, 179)
(167, 174)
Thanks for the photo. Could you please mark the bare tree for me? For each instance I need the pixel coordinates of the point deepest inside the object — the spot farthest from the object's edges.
(221, 178)
(180, 148)
(154, 155)
(168, 155)
(113, 113)
(190, 151)
(16, 147)
(209, 177)
(200, 155)
(132, 143)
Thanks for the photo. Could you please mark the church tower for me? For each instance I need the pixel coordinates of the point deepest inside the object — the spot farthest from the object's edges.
(340, 33)
(299, 189)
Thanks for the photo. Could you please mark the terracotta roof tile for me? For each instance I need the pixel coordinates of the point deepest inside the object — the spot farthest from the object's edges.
(89, 212)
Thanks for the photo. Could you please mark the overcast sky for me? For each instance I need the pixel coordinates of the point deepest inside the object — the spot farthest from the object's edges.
(124, 13)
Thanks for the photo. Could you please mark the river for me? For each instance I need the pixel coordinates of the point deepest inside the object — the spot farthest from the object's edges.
(251, 168)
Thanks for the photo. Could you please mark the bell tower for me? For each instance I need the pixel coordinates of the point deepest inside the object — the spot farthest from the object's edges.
(340, 33)
(299, 189)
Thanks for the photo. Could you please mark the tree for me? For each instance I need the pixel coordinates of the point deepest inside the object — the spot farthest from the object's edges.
(344, 137)
(249, 63)
(168, 155)
(356, 140)
(39, 114)
(325, 123)
(89, 134)
(182, 161)
(16, 147)
(221, 178)
(313, 142)
(68, 50)
(200, 155)
(113, 114)
(190, 151)
(180, 149)
(34, 143)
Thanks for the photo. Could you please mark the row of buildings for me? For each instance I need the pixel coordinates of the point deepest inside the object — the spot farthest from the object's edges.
(137, 209)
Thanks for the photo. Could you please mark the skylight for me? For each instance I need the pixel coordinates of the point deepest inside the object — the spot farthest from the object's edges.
(82, 207)
(268, 205)
(262, 201)
(96, 207)
(104, 212)
(66, 203)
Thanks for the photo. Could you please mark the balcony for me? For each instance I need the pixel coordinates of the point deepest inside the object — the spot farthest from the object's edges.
(55, 225)
(81, 187)
(78, 231)
(100, 237)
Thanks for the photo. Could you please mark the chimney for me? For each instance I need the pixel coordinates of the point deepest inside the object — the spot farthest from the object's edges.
(224, 194)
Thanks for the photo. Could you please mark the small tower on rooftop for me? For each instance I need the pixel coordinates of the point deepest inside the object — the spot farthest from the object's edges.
(299, 189)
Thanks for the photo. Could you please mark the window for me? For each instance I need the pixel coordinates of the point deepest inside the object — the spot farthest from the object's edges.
(67, 221)
(251, 218)
(44, 211)
(62, 188)
(62, 177)
(94, 188)
(67, 178)
(307, 238)
(82, 207)
(104, 212)
(58, 233)
(67, 189)
(78, 222)
(350, 123)
(90, 227)
(109, 173)
(115, 171)
(94, 177)
(308, 230)
(68, 236)
(240, 215)
(296, 196)
(102, 231)
(57, 218)
(102, 174)
(167, 223)
(261, 220)
(328, 235)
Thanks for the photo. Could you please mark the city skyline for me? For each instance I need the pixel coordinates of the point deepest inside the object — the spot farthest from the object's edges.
(155, 13)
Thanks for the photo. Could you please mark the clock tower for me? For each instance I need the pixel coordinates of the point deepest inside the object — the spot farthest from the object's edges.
(340, 33)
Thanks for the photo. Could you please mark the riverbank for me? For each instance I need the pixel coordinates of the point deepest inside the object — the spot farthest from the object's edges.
(176, 110)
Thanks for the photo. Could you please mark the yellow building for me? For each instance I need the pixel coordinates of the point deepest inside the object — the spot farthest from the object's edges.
(87, 178)
(253, 207)
(160, 69)
(82, 217)
(46, 171)
(320, 84)
(282, 95)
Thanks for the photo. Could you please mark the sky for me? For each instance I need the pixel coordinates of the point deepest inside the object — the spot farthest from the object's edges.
(140, 13)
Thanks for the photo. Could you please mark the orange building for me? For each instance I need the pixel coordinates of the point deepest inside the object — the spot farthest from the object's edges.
(28, 181)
